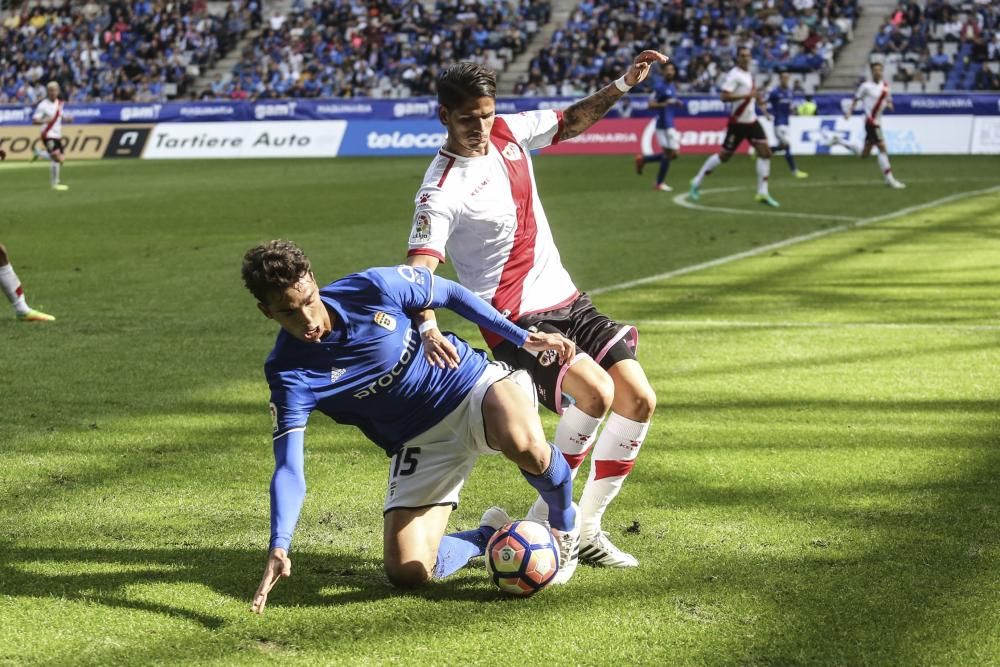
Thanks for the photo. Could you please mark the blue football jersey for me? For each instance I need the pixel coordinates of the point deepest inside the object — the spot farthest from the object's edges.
(780, 101)
(370, 371)
(665, 115)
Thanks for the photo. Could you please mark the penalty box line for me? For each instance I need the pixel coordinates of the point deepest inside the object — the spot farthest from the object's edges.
(793, 240)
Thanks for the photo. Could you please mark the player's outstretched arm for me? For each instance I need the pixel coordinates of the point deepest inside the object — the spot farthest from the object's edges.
(581, 115)
(438, 350)
(288, 491)
(457, 298)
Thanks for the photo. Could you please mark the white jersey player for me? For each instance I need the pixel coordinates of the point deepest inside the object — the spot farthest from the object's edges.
(50, 115)
(739, 89)
(875, 97)
(479, 208)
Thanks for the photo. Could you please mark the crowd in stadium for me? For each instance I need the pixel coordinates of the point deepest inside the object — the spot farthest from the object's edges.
(941, 46)
(700, 35)
(137, 50)
(152, 50)
(377, 48)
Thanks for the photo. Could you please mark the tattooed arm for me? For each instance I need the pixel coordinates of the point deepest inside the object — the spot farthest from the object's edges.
(592, 108)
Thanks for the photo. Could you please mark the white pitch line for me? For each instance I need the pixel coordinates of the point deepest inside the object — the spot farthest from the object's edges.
(793, 240)
(743, 324)
(681, 199)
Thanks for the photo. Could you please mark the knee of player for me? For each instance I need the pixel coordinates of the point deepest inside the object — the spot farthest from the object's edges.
(643, 403)
(407, 576)
(3, 255)
(596, 400)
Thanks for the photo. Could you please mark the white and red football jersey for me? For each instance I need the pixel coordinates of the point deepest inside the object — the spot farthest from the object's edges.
(873, 96)
(740, 82)
(484, 215)
(50, 113)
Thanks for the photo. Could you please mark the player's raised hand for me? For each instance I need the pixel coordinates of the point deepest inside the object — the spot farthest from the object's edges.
(541, 342)
(278, 565)
(639, 69)
(438, 350)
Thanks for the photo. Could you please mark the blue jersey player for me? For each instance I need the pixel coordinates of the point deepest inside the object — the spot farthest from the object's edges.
(664, 100)
(780, 107)
(348, 350)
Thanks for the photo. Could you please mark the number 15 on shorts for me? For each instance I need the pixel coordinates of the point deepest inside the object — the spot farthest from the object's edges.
(404, 463)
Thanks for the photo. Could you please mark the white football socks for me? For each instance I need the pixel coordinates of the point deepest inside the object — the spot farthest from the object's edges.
(574, 437)
(12, 289)
(763, 173)
(612, 461)
(54, 168)
(711, 163)
(883, 163)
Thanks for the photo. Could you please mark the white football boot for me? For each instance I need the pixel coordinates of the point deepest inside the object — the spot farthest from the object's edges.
(495, 517)
(597, 549)
(568, 543)
(896, 185)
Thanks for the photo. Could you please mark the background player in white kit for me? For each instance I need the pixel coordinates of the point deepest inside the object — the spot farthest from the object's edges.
(876, 97)
(739, 89)
(479, 204)
(50, 115)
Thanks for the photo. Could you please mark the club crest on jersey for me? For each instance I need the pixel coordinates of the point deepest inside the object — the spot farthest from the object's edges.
(421, 229)
(511, 152)
(385, 321)
(336, 373)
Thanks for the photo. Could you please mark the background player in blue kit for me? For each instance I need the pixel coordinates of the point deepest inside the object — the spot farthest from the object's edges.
(348, 350)
(780, 103)
(664, 99)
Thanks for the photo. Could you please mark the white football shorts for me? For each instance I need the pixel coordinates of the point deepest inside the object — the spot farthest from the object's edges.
(431, 468)
(670, 139)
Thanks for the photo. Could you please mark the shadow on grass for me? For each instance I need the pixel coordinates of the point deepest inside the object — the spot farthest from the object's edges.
(233, 573)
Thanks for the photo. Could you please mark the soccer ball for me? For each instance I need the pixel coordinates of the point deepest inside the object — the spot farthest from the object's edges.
(522, 558)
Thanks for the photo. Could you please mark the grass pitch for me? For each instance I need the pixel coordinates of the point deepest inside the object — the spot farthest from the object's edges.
(820, 485)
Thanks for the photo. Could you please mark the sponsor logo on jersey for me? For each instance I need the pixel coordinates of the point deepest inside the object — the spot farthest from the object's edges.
(274, 416)
(421, 229)
(336, 373)
(385, 321)
(511, 152)
(411, 342)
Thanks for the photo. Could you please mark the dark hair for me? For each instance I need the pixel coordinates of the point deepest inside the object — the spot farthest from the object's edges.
(273, 267)
(465, 81)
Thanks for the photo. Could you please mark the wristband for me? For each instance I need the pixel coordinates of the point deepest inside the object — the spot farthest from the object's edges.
(621, 85)
(427, 326)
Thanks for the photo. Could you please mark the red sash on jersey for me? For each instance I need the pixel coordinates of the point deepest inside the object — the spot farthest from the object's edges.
(878, 104)
(507, 298)
(45, 131)
(743, 105)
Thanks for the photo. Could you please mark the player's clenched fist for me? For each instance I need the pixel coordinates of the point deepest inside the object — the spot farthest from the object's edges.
(278, 565)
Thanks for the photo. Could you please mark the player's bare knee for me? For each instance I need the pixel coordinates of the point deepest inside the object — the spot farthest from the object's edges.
(724, 156)
(598, 395)
(644, 404)
(3, 255)
(410, 575)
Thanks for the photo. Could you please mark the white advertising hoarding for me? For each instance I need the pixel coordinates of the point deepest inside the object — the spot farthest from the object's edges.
(986, 135)
(904, 135)
(318, 138)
